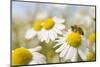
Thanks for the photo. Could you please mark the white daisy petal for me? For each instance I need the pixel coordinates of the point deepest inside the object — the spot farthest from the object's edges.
(75, 56)
(70, 53)
(38, 48)
(45, 35)
(89, 46)
(57, 40)
(40, 36)
(60, 48)
(60, 26)
(55, 34)
(57, 44)
(30, 33)
(83, 49)
(58, 20)
(39, 58)
(63, 53)
(33, 62)
(60, 38)
(57, 31)
(51, 35)
(83, 54)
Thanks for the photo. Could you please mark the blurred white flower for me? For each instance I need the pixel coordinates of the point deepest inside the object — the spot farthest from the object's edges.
(86, 21)
(30, 33)
(90, 55)
(51, 28)
(23, 56)
(83, 19)
(71, 45)
(91, 41)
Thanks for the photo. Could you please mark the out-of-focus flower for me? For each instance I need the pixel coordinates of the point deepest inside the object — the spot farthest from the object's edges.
(83, 19)
(71, 45)
(46, 30)
(90, 55)
(91, 41)
(23, 56)
(35, 30)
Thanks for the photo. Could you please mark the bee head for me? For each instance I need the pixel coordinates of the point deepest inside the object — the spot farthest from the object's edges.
(78, 29)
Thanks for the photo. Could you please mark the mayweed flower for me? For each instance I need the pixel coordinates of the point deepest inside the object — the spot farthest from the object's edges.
(46, 30)
(91, 41)
(71, 45)
(23, 56)
(90, 56)
(35, 30)
(51, 28)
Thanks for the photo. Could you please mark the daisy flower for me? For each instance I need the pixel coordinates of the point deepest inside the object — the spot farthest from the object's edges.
(35, 30)
(37, 25)
(91, 46)
(51, 28)
(23, 56)
(46, 30)
(91, 41)
(72, 45)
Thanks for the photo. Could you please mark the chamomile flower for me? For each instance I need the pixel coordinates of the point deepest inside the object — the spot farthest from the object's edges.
(35, 30)
(37, 25)
(90, 55)
(46, 30)
(72, 45)
(23, 56)
(51, 28)
(91, 41)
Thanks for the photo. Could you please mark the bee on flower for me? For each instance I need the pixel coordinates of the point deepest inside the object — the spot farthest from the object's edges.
(72, 45)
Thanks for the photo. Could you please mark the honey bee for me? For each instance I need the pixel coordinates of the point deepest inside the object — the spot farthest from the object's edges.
(78, 29)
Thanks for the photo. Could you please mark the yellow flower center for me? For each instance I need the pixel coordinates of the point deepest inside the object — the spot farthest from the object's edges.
(21, 56)
(90, 56)
(37, 25)
(92, 38)
(74, 39)
(48, 24)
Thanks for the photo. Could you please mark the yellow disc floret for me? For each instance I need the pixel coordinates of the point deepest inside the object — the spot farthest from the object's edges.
(90, 56)
(48, 24)
(92, 38)
(74, 39)
(37, 25)
(21, 56)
